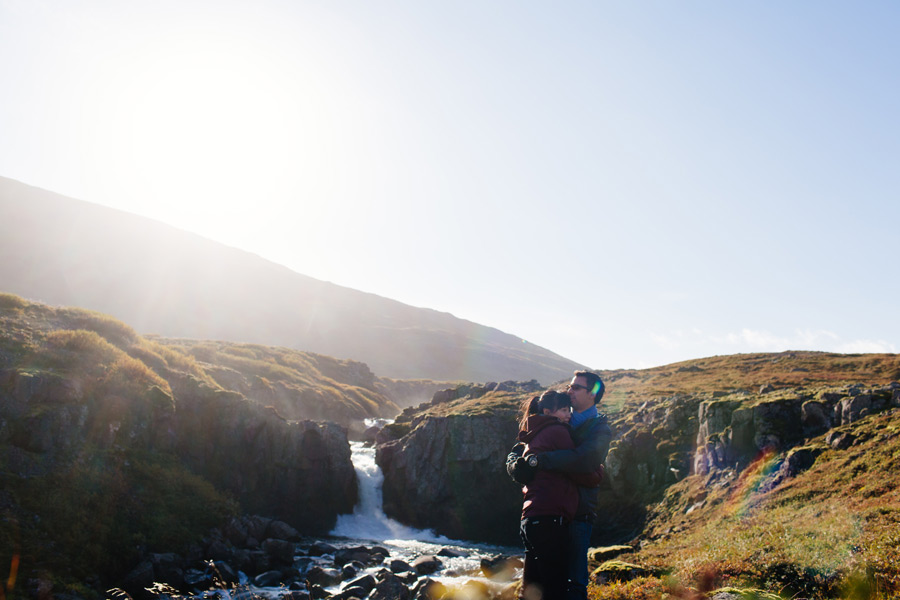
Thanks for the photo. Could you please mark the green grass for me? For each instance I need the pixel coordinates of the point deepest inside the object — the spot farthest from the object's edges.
(114, 506)
(89, 485)
(814, 536)
(12, 303)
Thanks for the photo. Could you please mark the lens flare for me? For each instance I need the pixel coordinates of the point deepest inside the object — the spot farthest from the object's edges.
(743, 498)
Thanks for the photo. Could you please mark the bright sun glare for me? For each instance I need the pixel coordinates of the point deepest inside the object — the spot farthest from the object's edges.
(204, 124)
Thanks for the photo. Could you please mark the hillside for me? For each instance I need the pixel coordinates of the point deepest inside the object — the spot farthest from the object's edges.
(299, 385)
(113, 445)
(164, 281)
(767, 471)
(775, 472)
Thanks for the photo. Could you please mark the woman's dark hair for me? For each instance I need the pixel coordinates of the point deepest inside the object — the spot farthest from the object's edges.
(550, 400)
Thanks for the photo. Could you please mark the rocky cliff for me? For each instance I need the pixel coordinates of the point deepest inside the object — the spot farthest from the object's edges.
(112, 445)
(443, 476)
(443, 469)
(444, 460)
(296, 471)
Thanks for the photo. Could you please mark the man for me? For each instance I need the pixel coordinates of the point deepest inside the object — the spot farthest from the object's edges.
(592, 436)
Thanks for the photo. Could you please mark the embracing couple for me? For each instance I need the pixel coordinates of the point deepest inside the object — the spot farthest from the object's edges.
(563, 442)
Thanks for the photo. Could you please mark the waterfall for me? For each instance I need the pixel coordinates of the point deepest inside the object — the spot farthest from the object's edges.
(368, 521)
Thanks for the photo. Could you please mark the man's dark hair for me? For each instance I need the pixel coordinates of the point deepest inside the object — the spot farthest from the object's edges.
(594, 383)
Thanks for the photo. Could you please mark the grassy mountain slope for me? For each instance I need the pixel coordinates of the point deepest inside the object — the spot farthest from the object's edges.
(299, 385)
(113, 444)
(164, 281)
(746, 372)
(815, 515)
(830, 531)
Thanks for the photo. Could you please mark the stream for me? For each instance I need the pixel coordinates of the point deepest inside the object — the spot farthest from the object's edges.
(369, 526)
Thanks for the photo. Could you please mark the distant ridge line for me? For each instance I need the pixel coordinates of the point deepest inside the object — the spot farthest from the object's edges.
(163, 280)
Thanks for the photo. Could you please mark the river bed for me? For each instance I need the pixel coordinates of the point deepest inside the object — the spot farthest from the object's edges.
(368, 526)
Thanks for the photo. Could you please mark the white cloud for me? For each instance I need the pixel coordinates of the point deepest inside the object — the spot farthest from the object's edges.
(698, 343)
(865, 346)
(768, 341)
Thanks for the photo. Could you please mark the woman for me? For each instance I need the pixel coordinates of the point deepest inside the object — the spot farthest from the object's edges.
(550, 498)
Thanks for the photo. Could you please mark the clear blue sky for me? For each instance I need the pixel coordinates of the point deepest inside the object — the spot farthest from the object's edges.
(625, 183)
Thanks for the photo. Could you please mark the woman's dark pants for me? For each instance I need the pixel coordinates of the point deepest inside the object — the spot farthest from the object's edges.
(547, 547)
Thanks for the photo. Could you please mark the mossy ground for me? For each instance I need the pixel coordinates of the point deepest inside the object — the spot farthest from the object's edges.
(830, 532)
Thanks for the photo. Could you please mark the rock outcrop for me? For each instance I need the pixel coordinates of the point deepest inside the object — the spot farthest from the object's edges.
(47, 420)
(732, 433)
(447, 474)
(296, 471)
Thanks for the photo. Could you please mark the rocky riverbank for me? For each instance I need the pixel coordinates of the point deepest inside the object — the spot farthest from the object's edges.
(256, 557)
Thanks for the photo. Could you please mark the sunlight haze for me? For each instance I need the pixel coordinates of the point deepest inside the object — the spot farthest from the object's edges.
(625, 184)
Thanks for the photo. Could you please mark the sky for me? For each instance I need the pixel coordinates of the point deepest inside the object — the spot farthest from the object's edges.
(628, 184)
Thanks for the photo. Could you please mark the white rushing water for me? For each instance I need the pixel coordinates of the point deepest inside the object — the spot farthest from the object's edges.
(368, 526)
(369, 523)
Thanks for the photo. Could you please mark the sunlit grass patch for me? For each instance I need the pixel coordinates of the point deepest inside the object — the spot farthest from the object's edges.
(641, 588)
(111, 329)
(131, 378)
(159, 356)
(73, 348)
(12, 303)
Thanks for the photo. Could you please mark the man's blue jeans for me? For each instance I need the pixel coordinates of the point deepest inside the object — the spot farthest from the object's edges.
(578, 561)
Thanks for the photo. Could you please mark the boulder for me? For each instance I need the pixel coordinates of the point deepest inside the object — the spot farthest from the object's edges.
(279, 551)
(427, 564)
(389, 587)
(500, 567)
(321, 549)
(222, 573)
(138, 579)
(606, 553)
(714, 417)
(452, 553)
(357, 553)
(853, 408)
(400, 566)
(634, 465)
(267, 579)
(615, 570)
(796, 461)
(379, 554)
(350, 593)
(323, 577)
(815, 418)
(840, 440)
(428, 589)
(317, 592)
(282, 531)
(198, 580)
(366, 583)
(168, 568)
(777, 423)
